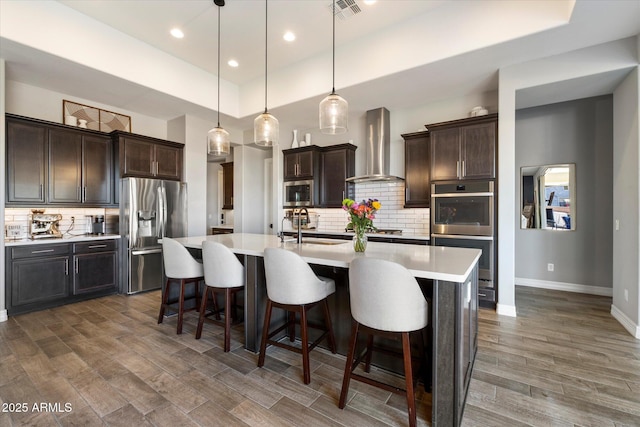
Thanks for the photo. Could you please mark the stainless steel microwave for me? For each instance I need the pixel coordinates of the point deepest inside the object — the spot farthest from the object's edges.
(298, 193)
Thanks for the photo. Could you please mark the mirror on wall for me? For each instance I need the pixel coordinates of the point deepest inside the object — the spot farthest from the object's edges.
(548, 197)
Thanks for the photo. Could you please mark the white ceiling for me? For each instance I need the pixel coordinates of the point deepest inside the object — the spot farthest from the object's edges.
(395, 53)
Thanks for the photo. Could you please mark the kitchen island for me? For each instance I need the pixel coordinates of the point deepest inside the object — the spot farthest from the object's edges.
(449, 276)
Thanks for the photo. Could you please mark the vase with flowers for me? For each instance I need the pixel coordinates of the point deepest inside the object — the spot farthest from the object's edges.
(361, 216)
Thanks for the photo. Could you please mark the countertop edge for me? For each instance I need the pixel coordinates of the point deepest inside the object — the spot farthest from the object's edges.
(57, 240)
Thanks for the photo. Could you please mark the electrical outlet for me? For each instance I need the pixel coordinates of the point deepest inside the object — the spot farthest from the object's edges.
(73, 219)
(550, 267)
(626, 295)
(617, 224)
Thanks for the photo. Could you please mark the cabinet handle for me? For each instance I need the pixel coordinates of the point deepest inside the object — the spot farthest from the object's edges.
(66, 267)
(481, 295)
(76, 265)
(458, 168)
(42, 251)
(97, 246)
(84, 194)
(40, 192)
(463, 171)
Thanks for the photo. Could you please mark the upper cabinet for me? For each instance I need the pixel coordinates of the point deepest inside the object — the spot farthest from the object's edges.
(48, 163)
(338, 164)
(301, 163)
(416, 170)
(464, 149)
(146, 157)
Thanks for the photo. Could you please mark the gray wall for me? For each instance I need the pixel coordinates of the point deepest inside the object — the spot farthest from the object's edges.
(579, 132)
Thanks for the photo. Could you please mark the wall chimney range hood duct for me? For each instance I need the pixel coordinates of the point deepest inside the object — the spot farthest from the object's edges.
(377, 148)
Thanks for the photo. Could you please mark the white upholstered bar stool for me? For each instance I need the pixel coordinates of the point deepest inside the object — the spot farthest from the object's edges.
(182, 268)
(294, 287)
(385, 300)
(223, 273)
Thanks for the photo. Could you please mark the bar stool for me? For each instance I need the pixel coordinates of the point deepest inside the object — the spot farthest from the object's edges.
(223, 273)
(294, 287)
(179, 267)
(385, 300)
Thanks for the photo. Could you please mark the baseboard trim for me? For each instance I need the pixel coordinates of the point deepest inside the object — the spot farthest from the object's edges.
(506, 310)
(563, 286)
(626, 323)
(3, 316)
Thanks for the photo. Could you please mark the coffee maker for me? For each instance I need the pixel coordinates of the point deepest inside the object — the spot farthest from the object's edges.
(95, 225)
(44, 226)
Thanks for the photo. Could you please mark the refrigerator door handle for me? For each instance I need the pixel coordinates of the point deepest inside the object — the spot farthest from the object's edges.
(161, 213)
(164, 212)
(147, 251)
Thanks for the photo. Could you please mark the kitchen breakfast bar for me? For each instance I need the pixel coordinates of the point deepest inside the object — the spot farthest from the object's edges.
(448, 278)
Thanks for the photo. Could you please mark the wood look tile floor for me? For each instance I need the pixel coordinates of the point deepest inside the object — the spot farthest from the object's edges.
(563, 361)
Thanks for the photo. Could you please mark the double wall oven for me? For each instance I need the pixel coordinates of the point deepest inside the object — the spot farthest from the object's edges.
(463, 215)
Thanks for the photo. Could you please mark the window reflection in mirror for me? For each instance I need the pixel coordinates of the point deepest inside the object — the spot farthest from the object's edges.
(548, 197)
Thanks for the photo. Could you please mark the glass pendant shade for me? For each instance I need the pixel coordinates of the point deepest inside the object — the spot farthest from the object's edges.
(218, 141)
(334, 111)
(266, 130)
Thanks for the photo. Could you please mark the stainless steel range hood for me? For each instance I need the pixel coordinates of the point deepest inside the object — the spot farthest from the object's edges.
(378, 147)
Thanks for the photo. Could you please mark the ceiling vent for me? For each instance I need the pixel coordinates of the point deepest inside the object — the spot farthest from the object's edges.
(345, 8)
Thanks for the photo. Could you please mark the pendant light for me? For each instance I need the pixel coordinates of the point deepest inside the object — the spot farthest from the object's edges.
(218, 138)
(334, 109)
(266, 128)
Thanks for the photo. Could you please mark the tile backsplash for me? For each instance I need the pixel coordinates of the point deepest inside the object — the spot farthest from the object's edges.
(20, 216)
(392, 215)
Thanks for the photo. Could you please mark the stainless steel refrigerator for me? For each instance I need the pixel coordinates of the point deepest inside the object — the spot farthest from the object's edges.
(150, 209)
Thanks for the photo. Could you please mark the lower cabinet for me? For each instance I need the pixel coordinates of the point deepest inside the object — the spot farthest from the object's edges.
(48, 275)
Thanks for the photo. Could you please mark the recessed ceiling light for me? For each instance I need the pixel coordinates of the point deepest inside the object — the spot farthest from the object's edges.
(289, 36)
(233, 63)
(369, 2)
(177, 33)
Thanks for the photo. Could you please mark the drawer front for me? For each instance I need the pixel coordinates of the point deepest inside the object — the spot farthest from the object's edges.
(487, 294)
(30, 251)
(95, 246)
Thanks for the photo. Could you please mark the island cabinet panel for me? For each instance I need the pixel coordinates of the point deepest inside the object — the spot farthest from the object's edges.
(145, 157)
(54, 164)
(26, 162)
(464, 149)
(338, 164)
(227, 185)
(48, 275)
(416, 170)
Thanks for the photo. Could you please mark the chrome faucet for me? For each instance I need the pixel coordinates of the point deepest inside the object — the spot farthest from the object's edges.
(281, 233)
(306, 212)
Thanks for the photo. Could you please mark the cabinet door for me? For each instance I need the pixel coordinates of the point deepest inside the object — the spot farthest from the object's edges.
(290, 166)
(445, 154)
(337, 166)
(478, 144)
(26, 150)
(97, 170)
(36, 280)
(227, 178)
(93, 272)
(416, 171)
(168, 162)
(305, 164)
(136, 158)
(65, 172)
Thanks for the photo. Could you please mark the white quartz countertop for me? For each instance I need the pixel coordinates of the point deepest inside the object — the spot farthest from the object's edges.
(430, 262)
(65, 239)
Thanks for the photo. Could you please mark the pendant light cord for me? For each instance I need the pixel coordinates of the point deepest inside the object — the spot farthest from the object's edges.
(219, 7)
(265, 55)
(333, 12)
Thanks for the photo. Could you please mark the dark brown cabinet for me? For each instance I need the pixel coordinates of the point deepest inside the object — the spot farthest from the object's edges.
(95, 266)
(49, 163)
(464, 149)
(416, 170)
(26, 162)
(48, 275)
(301, 163)
(338, 164)
(145, 157)
(227, 185)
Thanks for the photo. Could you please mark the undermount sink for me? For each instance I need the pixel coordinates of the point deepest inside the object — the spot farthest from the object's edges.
(323, 242)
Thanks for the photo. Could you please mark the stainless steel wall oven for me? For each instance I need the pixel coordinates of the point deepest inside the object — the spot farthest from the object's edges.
(463, 215)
